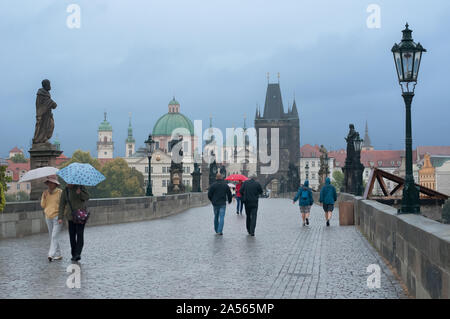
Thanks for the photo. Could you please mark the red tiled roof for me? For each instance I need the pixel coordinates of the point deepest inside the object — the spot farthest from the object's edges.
(61, 159)
(375, 158)
(17, 168)
(15, 150)
(310, 151)
(433, 150)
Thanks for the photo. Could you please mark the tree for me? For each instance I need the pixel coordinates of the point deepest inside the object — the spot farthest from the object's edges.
(121, 180)
(80, 156)
(3, 187)
(338, 181)
(19, 158)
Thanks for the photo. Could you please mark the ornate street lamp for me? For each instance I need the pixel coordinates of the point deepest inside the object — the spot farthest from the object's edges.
(407, 57)
(150, 143)
(359, 168)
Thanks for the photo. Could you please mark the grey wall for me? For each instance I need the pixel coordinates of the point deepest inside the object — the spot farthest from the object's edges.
(27, 218)
(418, 248)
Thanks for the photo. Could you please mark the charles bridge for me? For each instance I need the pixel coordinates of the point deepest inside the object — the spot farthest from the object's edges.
(165, 247)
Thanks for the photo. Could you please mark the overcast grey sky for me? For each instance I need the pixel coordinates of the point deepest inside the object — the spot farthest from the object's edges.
(133, 56)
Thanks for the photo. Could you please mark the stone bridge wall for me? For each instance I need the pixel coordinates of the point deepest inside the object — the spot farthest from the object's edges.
(416, 247)
(27, 218)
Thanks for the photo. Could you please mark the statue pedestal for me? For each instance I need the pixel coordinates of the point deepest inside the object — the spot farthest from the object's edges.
(196, 179)
(41, 155)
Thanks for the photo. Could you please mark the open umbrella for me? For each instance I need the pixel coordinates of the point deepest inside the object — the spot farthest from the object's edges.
(81, 174)
(236, 178)
(38, 173)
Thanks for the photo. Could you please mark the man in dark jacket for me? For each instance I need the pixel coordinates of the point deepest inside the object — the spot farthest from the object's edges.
(250, 192)
(218, 194)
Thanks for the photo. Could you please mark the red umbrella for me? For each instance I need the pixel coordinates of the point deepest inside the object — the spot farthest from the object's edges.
(236, 178)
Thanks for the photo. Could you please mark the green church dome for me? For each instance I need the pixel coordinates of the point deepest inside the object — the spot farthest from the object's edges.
(171, 121)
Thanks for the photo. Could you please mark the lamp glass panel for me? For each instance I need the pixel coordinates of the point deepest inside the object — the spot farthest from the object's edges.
(408, 58)
(417, 59)
(398, 64)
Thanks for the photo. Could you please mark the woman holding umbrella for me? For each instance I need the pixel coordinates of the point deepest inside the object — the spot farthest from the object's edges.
(73, 201)
(238, 178)
(73, 197)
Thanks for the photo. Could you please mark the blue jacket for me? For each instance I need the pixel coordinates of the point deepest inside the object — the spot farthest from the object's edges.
(304, 202)
(328, 193)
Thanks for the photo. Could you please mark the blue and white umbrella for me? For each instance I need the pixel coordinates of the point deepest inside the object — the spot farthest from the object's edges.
(81, 174)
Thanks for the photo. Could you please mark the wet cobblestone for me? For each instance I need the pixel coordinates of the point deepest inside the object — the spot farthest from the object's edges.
(181, 257)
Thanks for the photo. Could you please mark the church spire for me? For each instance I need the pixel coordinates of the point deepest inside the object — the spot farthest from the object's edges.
(294, 109)
(367, 143)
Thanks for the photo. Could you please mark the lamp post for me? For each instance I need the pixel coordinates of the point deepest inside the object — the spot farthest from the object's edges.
(407, 57)
(358, 167)
(150, 143)
(307, 171)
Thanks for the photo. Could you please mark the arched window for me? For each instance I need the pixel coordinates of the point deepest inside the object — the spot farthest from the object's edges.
(105, 139)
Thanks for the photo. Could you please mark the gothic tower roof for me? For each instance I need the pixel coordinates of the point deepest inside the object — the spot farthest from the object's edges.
(273, 108)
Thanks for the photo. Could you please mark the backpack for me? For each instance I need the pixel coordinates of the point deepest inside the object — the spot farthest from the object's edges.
(305, 195)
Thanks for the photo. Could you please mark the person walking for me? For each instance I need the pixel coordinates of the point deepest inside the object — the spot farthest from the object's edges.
(73, 197)
(239, 202)
(218, 194)
(328, 197)
(50, 203)
(250, 192)
(306, 201)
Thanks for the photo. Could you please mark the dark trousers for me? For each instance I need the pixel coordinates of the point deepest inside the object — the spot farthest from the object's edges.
(76, 233)
(251, 212)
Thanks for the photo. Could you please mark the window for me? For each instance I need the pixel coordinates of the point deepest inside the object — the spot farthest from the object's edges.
(313, 164)
(313, 175)
(130, 146)
(164, 183)
(380, 163)
(106, 153)
(164, 169)
(28, 186)
(18, 186)
(146, 169)
(129, 153)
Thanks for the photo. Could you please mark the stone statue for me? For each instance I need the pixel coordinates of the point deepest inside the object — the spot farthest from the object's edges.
(44, 117)
(323, 171)
(350, 138)
(176, 169)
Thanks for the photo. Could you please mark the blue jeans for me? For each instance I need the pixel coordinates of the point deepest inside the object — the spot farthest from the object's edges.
(219, 218)
(240, 204)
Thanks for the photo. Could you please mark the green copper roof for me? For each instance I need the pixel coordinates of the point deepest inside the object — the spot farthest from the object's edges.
(169, 122)
(105, 126)
(174, 102)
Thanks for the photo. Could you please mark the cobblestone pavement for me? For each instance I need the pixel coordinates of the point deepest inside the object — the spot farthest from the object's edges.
(181, 257)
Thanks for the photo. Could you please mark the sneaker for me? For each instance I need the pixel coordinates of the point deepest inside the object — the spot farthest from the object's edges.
(307, 221)
(57, 258)
(77, 258)
(304, 224)
(237, 213)
(252, 234)
(50, 259)
(220, 234)
(328, 223)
